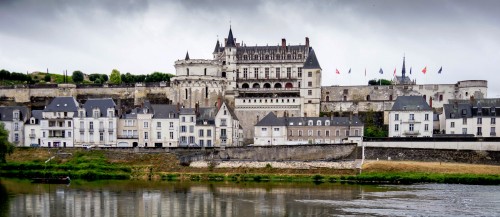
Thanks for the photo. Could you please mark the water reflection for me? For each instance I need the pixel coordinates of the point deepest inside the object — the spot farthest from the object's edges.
(119, 198)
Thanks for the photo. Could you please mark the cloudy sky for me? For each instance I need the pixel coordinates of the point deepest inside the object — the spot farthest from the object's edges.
(140, 37)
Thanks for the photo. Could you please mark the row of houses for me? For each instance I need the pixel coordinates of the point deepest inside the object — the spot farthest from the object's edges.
(411, 116)
(66, 123)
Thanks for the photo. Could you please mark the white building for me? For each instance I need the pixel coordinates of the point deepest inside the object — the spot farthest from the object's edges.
(32, 131)
(56, 124)
(471, 117)
(410, 116)
(96, 123)
(13, 118)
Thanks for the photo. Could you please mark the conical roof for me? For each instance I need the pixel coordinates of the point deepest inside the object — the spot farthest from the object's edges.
(311, 61)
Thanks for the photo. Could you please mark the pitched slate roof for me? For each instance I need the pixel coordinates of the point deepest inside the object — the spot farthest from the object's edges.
(37, 114)
(164, 111)
(62, 104)
(311, 61)
(457, 110)
(186, 111)
(271, 120)
(230, 39)
(101, 104)
(7, 112)
(217, 47)
(410, 103)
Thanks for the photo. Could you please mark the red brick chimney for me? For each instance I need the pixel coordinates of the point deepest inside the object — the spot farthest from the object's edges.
(307, 41)
(283, 43)
(430, 101)
(219, 103)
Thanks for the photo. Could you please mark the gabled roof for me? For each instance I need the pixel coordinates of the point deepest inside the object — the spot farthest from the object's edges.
(457, 110)
(37, 114)
(410, 103)
(101, 104)
(311, 61)
(62, 104)
(7, 112)
(271, 120)
(207, 113)
(186, 111)
(231, 111)
(164, 111)
(230, 39)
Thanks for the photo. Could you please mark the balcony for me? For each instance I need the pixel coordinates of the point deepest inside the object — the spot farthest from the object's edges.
(111, 129)
(91, 130)
(128, 136)
(32, 135)
(82, 130)
(101, 130)
(267, 90)
(411, 133)
(411, 121)
(493, 134)
(223, 136)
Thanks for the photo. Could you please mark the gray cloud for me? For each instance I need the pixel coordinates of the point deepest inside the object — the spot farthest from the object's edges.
(145, 36)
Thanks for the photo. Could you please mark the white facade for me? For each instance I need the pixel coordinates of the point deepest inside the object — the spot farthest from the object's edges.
(57, 129)
(270, 135)
(32, 133)
(96, 130)
(410, 124)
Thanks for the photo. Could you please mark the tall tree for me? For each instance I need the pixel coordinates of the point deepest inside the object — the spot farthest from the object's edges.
(5, 146)
(77, 76)
(115, 77)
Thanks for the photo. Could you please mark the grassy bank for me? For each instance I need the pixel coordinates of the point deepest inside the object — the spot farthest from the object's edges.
(102, 165)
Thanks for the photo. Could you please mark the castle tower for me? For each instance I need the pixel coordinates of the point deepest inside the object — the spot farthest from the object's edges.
(311, 89)
(229, 63)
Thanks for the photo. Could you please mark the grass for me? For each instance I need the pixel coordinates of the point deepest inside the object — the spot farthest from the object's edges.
(429, 167)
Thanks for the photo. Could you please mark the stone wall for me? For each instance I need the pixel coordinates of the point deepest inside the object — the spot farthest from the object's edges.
(435, 155)
(281, 165)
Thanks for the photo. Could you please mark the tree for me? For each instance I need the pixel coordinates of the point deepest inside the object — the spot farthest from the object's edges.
(47, 78)
(115, 77)
(5, 146)
(77, 76)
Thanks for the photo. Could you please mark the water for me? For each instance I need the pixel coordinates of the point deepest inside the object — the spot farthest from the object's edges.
(125, 198)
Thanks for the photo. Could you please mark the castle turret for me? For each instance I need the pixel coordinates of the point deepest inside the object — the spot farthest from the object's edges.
(311, 90)
(229, 69)
(217, 49)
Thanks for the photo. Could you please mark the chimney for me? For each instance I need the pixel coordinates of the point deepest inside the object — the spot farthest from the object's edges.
(307, 41)
(430, 101)
(178, 106)
(218, 103)
(225, 41)
(197, 108)
(283, 43)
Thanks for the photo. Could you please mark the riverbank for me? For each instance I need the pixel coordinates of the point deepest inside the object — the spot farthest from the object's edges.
(101, 164)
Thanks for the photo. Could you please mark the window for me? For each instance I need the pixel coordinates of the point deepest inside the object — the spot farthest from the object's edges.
(396, 117)
(310, 123)
(493, 131)
(356, 132)
(309, 74)
(263, 129)
(426, 117)
(276, 129)
(16, 126)
(411, 127)
(191, 139)
(278, 72)
(327, 133)
(223, 122)
(319, 133)
(452, 124)
(81, 114)
(309, 133)
(426, 127)
(146, 124)
(256, 72)
(479, 120)
(191, 129)
(396, 127)
(183, 119)
(171, 134)
(337, 133)
(309, 92)
(16, 137)
(223, 133)
(245, 73)
(91, 125)
(146, 135)
(110, 114)
(479, 131)
(101, 136)
(309, 84)
(183, 129)
(464, 121)
(69, 123)
(493, 120)
(209, 143)
(171, 124)
(266, 72)
(200, 142)
(96, 114)
(299, 72)
(200, 133)
(192, 119)
(300, 132)
(347, 133)
(412, 117)
(318, 123)
(464, 130)
(158, 135)
(158, 124)
(288, 72)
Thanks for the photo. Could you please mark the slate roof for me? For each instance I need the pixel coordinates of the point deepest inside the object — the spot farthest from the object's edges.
(272, 49)
(37, 114)
(231, 111)
(62, 104)
(186, 111)
(230, 39)
(399, 80)
(271, 120)
(206, 114)
(311, 61)
(162, 111)
(458, 110)
(132, 114)
(7, 112)
(102, 104)
(410, 103)
(217, 47)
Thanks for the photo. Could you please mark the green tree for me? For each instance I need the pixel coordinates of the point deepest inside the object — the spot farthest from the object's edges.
(47, 78)
(104, 78)
(77, 76)
(115, 77)
(5, 146)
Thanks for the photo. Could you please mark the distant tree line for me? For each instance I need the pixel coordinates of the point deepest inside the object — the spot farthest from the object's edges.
(379, 82)
(154, 77)
(15, 76)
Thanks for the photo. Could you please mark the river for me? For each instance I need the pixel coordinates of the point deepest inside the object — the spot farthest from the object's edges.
(134, 198)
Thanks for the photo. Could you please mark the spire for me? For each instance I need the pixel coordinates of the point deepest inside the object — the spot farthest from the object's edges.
(403, 71)
(311, 61)
(187, 55)
(217, 46)
(230, 39)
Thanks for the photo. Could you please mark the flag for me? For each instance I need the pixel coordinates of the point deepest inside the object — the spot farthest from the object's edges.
(394, 71)
(380, 71)
(424, 70)
(349, 71)
(365, 72)
(440, 69)
(410, 70)
(337, 71)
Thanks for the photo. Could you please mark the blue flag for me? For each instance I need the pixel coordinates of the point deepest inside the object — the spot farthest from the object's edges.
(441, 69)
(410, 70)
(380, 71)
(349, 71)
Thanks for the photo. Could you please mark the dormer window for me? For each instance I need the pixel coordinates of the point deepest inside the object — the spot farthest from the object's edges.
(82, 114)
(492, 110)
(310, 123)
(96, 114)
(16, 115)
(318, 123)
(110, 114)
(464, 111)
(327, 123)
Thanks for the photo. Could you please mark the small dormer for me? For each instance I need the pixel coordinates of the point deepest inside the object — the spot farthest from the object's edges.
(81, 113)
(111, 113)
(15, 114)
(318, 123)
(32, 120)
(96, 113)
(327, 123)
(310, 123)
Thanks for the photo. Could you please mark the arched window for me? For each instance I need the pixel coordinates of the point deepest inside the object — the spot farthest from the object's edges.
(277, 85)
(289, 56)
(441, 97)
(245, 85)
(288, 85)
(367, 97)
(390, 97)
(327, 123)
(206, 92)
(187, 71)
(256, 85)
(425, 97)
(267, 57)
(278, 57)
(267, 85)
(328, 98)
(205, 71)
(318, 123)
(256, 57)
(310, 123)
(223, 74)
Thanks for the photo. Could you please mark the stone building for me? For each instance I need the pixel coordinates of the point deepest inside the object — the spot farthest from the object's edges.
(476, 117)
(272, 130)
(253, 79)
(411, 116)
(14, 118)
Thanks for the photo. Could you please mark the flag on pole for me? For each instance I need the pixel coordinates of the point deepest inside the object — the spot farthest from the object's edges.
(337, 71)
(394, 71)
(424, 70)
(365, 72)
(410, 70)
(381, 71)
(349, 71)
(440, 70)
